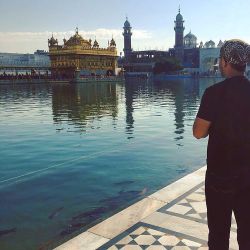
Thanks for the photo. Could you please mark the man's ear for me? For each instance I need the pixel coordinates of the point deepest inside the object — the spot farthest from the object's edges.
(224, 62)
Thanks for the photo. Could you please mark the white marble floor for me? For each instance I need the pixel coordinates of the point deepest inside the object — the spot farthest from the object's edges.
(172, 218)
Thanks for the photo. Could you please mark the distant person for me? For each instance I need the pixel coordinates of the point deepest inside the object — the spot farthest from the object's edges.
(224, 115)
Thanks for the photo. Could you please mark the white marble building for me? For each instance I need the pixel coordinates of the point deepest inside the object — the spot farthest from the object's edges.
(11, 60)
(209, 58)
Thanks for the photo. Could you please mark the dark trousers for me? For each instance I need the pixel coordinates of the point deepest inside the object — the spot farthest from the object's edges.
(224, 195)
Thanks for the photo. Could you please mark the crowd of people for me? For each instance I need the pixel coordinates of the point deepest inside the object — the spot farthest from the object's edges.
(23, 76)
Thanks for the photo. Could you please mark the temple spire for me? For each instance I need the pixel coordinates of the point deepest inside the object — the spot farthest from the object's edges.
(127, 38)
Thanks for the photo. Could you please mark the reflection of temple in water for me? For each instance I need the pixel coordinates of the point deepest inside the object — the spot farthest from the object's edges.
(179, 117)
(129, 109)
(83, 104)
(184, 96)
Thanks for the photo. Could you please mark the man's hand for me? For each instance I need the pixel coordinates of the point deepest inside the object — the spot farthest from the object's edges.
(200, 128)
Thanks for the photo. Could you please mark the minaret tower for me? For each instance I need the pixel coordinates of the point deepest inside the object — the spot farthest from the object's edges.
(127, 38)
(179, 30)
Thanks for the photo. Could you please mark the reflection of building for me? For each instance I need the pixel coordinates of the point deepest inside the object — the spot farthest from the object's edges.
(82, 104)
(129, 95)
(184, 108)
(78, 54)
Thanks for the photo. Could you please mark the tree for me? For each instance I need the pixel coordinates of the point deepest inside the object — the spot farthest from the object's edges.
(167, 65)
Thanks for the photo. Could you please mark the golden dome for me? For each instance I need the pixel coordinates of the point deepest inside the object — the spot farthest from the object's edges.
(52, 41)
(95, 45)
(77, 40)
(112, 43)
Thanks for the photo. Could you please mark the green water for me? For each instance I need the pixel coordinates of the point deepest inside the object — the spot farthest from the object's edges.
(72, 155)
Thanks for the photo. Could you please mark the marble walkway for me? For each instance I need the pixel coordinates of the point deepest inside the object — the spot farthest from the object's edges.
(172, 218)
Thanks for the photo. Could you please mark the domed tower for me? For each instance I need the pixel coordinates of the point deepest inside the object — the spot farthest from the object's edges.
(127, 38)
(112, 43)
(179, 30)
(52, 42)
(190, 41)
(96, 44)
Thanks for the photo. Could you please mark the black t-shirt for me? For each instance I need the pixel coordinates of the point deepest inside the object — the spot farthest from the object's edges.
(227, 106)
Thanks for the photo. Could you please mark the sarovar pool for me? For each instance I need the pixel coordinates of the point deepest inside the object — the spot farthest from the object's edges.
(73, 155)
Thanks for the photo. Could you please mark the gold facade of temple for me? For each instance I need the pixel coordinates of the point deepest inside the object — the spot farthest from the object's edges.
(80, 55)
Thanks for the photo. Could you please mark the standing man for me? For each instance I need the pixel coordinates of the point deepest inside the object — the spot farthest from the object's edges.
(224, 115)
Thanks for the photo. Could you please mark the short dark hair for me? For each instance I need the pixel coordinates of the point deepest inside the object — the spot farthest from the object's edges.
(240, 68)
(237, 53)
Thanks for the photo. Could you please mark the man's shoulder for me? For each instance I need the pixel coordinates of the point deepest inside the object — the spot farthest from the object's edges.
(228, 84)
(216, 87)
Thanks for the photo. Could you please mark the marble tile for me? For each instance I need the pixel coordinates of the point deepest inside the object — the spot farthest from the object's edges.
(195, 216)
(177, 224)
(145, 240)
(150, 239)
(83, 241)
(125, 240)
(113, 248)
(169, 240)
(138, 231)
(233, 241)
(180, 219)
(179, 187)
(154, 232)
(126, 218)
(179, 209)
(201, 190)
(199, 207)
(191, 243)
(184, 226)
(183, 201)
(196, 197)
(130, 247)
(156, 248)
(180, 248)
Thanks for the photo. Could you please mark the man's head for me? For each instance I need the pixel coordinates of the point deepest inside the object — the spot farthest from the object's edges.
(234, 55)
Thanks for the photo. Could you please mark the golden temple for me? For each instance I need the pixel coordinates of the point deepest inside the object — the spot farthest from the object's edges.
(80, 56)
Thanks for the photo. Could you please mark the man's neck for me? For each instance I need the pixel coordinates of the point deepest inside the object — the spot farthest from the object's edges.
(234, 73)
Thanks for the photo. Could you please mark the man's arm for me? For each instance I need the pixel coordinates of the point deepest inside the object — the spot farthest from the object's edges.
(201, 128)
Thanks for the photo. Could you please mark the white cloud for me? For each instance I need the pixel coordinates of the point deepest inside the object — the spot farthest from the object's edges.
(28, 42)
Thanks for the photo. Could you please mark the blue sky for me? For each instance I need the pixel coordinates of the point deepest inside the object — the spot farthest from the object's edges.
(26, 25)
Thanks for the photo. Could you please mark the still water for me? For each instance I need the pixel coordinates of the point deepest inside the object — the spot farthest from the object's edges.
(72, 155)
